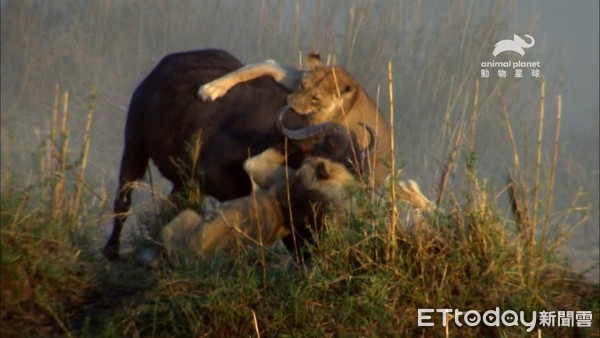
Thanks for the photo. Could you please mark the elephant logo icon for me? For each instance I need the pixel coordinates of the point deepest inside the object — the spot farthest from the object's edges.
(515, 45)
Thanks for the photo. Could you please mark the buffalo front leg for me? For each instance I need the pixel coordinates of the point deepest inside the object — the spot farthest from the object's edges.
(133, 168)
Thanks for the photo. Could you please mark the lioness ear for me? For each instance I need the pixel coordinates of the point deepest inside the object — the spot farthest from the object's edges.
(313, 60)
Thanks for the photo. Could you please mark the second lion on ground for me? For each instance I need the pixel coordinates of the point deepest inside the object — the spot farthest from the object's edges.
(317, 191)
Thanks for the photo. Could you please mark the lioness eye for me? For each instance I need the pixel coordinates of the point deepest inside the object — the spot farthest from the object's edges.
(314, 98)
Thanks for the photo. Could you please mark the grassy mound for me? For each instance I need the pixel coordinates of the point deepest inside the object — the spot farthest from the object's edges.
(362, 281)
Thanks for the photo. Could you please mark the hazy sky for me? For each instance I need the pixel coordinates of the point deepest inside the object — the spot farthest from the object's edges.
(570, 30)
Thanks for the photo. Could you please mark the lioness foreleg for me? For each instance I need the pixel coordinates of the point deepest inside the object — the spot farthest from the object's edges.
(288, 77)
(267, 168)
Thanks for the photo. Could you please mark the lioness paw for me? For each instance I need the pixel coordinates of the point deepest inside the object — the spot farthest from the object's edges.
(211, 91)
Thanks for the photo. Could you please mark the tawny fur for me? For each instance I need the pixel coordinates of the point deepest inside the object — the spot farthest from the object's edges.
(263, 217)
(252, 220)
(267, 168)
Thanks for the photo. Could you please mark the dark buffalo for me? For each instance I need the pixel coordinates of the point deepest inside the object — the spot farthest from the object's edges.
(165, 114)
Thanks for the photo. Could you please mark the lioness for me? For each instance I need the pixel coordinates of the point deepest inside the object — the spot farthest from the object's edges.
(264, 217)
(325, 94)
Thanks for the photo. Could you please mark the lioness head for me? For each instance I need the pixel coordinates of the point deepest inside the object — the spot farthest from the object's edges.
(326, 93)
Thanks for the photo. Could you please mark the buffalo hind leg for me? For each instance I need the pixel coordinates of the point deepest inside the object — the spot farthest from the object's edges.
(133, 167)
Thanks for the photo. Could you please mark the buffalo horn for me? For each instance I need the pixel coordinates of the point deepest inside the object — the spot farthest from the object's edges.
(365, 166)
(371, 146)
(302, 133)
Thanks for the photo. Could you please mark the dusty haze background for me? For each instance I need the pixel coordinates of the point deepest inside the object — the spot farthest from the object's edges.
(109, 46)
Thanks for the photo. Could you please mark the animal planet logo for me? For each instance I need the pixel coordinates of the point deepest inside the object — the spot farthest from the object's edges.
(518, 69)
(515, 45)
